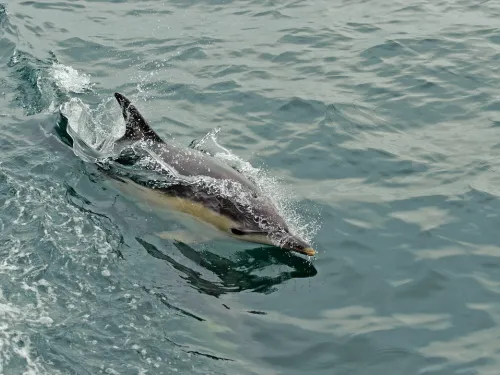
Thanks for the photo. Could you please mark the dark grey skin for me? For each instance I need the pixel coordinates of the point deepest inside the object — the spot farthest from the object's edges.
(258, 218)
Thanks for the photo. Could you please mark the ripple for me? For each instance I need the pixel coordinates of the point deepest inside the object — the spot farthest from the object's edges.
(5, 24)
(62, 6)
(191, 53)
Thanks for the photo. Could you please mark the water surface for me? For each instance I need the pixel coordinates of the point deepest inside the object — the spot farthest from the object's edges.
(376, 123)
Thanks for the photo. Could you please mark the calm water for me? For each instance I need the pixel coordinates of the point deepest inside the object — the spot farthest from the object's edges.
(380, 121)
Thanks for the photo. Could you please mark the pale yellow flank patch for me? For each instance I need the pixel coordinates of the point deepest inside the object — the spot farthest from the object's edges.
(157, 200)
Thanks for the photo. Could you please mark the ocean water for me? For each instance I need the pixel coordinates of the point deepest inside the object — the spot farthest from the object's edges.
(375, 125)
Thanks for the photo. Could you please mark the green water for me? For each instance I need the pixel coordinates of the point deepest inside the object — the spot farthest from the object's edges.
(377, 125)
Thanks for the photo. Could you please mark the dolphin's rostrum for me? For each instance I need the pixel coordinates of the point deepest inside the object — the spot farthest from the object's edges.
(215, 194)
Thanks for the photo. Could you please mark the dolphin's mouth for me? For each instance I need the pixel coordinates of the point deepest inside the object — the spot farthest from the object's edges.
(307, 251)
(283, 240)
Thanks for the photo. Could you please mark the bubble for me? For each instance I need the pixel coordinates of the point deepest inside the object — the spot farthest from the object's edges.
(45, 320)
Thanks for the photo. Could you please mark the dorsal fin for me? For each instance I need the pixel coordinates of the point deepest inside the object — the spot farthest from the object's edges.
(136, 127)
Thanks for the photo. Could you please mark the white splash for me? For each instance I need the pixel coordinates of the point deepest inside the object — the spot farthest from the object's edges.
(69, 79)
(94, 132)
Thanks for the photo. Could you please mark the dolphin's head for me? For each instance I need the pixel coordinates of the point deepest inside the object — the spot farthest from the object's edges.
(263, 224)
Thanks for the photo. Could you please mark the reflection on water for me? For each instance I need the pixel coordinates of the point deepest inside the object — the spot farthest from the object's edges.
(235, 275)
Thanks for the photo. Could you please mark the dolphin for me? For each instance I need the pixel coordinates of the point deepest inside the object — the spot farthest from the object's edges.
(210, 190)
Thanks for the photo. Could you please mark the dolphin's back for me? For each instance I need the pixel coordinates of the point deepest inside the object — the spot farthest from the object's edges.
(191, 163)
(186, 162)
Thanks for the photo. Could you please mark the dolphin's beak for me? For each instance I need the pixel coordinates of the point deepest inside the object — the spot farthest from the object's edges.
(296, 244)
(309, 251)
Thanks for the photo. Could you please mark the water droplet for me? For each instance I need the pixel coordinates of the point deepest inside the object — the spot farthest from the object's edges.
(46, 320)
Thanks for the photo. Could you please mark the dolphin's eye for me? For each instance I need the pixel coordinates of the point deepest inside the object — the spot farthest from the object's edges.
(237, 232)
